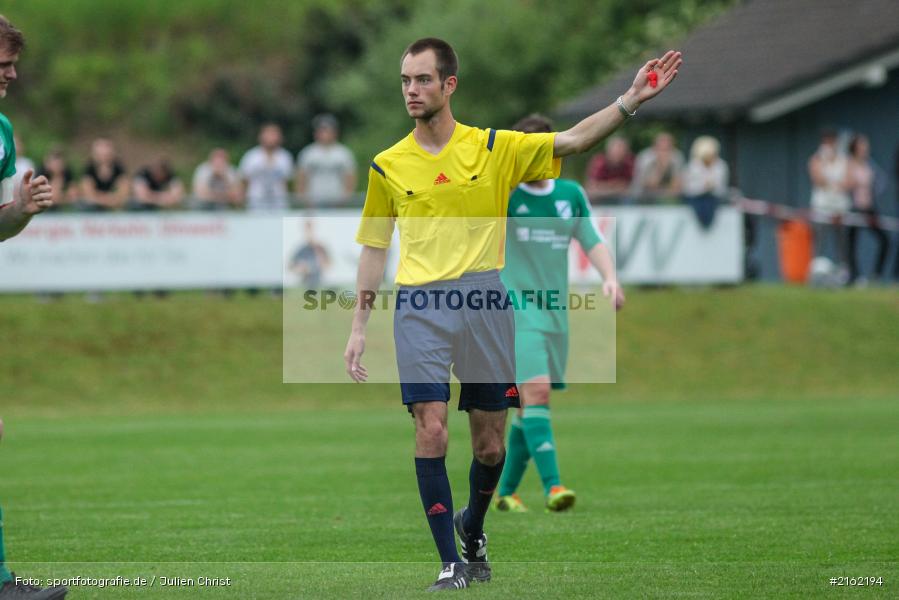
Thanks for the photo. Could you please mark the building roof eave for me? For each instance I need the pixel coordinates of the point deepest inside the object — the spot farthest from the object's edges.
(871, 71)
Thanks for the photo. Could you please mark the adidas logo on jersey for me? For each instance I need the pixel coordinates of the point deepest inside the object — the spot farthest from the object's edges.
(545, 447)
(441, 179)
(522, 210)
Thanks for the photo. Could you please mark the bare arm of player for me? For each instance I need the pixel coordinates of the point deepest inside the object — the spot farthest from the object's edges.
(368, 279)
(601, 260)
(35, 196)
(599, 125)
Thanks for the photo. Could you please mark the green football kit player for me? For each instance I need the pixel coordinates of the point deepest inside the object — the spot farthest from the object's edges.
(17, 206)
(543, 218)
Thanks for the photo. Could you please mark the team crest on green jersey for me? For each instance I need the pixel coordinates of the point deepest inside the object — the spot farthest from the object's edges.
(563, 209)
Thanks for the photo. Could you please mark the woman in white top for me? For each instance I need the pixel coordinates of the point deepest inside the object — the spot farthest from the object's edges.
(863, 183)
(705, 179)
(829, 171)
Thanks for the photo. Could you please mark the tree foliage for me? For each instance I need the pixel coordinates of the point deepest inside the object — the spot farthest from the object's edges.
(516, 56)
(215, 69)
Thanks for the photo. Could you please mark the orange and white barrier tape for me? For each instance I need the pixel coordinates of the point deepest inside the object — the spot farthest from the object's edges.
(792, 213)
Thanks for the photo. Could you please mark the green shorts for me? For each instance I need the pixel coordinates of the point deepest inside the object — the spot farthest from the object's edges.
(541, 354)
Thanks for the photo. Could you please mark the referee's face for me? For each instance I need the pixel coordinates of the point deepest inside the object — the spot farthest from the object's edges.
(424, 93)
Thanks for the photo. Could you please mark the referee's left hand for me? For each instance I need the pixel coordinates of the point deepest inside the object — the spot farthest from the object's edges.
(615, 293)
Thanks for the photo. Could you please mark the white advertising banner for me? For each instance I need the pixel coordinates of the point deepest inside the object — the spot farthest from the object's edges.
(652, 245)
(665, 244)
(213, 250)
(143, 251)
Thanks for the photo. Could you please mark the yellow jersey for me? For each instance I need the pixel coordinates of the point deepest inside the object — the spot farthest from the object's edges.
(450, 207)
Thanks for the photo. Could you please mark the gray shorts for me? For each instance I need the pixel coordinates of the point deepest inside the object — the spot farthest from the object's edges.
(465, 325)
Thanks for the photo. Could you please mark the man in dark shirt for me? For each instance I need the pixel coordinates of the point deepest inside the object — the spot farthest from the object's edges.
(104, 186)
(157, 187)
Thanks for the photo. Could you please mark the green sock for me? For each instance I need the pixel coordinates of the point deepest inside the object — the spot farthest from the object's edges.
(4, 572)
(517, 457)
(538, 432)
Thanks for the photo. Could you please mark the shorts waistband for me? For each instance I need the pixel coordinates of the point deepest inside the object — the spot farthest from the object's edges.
(467, 280)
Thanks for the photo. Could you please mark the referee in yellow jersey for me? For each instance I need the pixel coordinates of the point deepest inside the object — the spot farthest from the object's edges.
(447, 186)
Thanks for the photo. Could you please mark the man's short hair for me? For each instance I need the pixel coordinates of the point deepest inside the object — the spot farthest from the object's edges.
(447, 63)
(11, 39)
(325, 120)
(534, 123)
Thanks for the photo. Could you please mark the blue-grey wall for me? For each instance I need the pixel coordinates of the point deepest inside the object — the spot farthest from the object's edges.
(769, 160)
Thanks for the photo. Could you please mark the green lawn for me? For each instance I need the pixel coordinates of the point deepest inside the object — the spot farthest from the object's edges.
(750, 449)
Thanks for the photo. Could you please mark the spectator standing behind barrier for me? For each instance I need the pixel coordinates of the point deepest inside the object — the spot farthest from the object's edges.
(326, 169)
(157, 187)
(866, 183)
(829, 172)
(265, 171)
(657, 172)
(60, 176)
(216, 184)
(705, 179)
(609, 173)
(104, 185)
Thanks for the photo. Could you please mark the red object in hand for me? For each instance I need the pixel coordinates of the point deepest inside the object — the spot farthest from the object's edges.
(653, 78)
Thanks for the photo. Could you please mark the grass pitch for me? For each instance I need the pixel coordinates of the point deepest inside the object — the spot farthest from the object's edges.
(750, 449)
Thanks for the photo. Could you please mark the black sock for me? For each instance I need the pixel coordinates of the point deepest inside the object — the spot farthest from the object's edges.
(437, 499)
(482, 480)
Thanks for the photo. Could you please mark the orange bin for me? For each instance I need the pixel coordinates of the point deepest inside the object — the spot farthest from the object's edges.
(795, 243)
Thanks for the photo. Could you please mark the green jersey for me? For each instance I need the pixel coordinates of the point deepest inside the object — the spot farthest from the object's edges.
(7, 161)
(541, 224)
